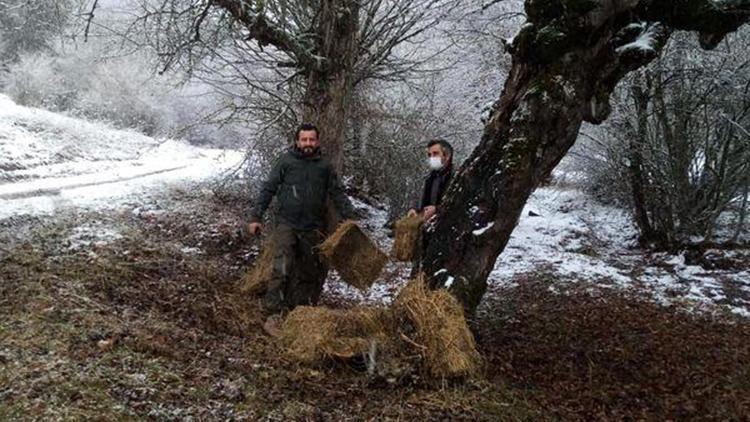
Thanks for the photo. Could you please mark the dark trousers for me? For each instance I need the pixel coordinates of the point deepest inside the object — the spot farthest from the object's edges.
(298, 273)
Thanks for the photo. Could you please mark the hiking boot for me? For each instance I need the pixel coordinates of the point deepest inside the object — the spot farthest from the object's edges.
(272, 326)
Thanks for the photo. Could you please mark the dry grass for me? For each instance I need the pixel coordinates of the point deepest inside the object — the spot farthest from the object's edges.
(185, 343)
(427, 323)
(407, 238)
(136, 329)
(255, 282)
(353, 255)
(314, 334)
(439, 330)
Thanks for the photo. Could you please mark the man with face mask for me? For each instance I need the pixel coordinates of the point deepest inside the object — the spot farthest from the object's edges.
(440, 163)
(302, 181)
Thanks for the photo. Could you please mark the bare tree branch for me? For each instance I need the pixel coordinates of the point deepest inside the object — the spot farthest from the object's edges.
(89, 20)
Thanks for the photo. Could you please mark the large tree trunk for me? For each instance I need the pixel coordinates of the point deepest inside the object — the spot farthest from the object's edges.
(330, 83)
(534, 124)
(564, 70)
(327, 100)
(326, 58)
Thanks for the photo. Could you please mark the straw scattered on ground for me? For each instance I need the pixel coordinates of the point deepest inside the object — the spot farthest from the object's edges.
(314, 334)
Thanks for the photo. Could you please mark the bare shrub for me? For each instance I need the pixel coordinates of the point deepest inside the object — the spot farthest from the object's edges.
(677, 149)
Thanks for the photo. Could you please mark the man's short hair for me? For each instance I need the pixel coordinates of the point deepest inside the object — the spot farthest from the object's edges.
(446, 147)
(306, 126)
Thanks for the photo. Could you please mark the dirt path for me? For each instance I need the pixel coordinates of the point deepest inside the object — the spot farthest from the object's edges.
(27, 190)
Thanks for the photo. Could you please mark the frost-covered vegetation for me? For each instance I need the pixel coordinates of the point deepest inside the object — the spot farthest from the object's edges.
(677, 149)
(60, 62)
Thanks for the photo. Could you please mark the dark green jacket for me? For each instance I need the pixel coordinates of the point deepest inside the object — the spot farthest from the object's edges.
(301, 185)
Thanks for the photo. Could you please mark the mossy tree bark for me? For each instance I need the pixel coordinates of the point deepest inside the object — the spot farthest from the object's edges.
(567, 59)
(330, 84)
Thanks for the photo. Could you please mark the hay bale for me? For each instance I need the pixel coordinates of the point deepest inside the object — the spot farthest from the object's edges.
(430, 323)
(440, 332)
(313, 334)
(407, 238)
(256, 280)
(353, 255)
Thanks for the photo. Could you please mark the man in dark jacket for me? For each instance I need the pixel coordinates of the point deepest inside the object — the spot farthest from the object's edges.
(302, 181)
(440, 162)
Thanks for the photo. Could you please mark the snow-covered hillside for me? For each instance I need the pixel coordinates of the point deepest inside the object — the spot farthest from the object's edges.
(49, 161)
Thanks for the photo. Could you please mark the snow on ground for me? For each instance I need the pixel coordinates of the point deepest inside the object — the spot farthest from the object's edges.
(394, 274)
(91, 234)
(565, 233)
(50, 162)
(39, 143)
(578, 239)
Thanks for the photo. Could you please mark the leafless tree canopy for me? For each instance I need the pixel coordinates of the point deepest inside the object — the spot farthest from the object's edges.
(267, 49)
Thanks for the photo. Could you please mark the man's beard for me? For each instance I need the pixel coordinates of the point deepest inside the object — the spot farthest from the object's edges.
(309, 150)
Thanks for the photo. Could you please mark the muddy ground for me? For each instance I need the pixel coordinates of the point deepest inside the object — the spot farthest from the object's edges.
(137, 315)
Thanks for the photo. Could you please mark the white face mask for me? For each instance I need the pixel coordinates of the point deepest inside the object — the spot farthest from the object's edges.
(435, 163)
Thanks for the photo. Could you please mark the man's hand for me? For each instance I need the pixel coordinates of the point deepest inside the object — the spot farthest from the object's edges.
(429, 212)
(412, 212)
(254, 228)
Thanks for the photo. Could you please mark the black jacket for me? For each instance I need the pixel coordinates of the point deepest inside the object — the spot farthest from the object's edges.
(301, 185)
(442, 178)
